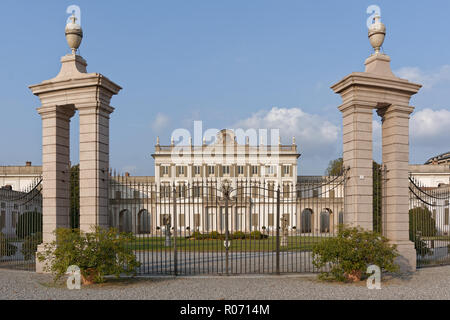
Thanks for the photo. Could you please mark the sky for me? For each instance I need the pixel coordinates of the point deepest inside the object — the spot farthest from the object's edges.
(228, 63)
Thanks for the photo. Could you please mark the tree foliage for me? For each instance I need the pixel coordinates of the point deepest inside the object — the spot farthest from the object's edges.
(75, 196)
(28, 224)
(335, 168)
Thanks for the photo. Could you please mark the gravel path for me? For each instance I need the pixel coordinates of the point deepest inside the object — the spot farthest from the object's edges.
(430, 283)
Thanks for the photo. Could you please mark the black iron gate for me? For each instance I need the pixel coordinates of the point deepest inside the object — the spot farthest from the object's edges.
(220, 227)
(429, 227)
(20, 226)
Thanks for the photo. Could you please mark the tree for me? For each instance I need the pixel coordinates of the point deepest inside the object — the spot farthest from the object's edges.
(75, 196)
(335, 167)
(377, 196)
(29, 223)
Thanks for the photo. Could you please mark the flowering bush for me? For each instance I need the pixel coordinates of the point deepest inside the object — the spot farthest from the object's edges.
(98, 253)
(351, 252)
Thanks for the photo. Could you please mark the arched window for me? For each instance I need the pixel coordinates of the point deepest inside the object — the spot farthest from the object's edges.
(325, 221)
(341, 217)
(144, 221)
(125, 221)
(306, 219)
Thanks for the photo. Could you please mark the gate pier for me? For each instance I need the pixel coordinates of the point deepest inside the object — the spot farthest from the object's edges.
(89, 93)
(378, 88)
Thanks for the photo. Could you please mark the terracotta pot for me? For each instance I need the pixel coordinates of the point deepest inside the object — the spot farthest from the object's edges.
(354, 276)
(88, 276)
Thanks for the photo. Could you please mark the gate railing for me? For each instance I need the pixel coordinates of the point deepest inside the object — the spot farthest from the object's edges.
(429, 227)
(20, 226)
(226, 227)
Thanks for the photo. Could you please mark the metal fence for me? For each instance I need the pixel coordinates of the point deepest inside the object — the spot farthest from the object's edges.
(429, 227)
(20, 226)
(225, 227)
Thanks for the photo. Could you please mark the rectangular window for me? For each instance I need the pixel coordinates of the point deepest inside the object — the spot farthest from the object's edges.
(210, 170)
(165, 191)
(226, 170)
(331, 194)
(196, 221)
(3, 205)
(2, 220)
(15, 216)
(286, 170)
(197, 170)
(240, 169)
(270, 217)
(270, 169)
(165, 170)
(271, 190)
(286, 190)
(255, 190)
(181, 170)
(182, 221)
(255, 220)
(446, 214)
(254, 170)
(197, 191)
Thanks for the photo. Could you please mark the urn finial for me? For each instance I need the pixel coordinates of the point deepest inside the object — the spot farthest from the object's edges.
(74, 34)
(377, 33)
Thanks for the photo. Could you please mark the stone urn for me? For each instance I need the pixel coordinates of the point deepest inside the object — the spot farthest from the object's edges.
(377, 33)
(74, 34)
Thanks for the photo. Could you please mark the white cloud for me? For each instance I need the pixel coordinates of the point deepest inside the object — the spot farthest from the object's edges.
(160, 122)
(427, 79)
(314, 134)
(431, 126)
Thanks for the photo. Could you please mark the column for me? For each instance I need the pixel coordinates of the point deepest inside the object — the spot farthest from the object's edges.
(395, 136)
(94, 166)
(55, 171)
(357, 155)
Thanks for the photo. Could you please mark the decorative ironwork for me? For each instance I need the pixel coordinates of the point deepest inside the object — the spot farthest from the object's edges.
(222, 227)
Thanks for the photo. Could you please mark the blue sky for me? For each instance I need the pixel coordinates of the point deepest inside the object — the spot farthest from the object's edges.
(228, 63)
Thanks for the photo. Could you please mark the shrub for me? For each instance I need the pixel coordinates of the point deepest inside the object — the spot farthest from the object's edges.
(28, 224)
(351, 252)
(215, 235)
(98, 253)
(197, 235)
(6, 248)
(421, 223)
(238, 235)
(256, 235)
(29, 246)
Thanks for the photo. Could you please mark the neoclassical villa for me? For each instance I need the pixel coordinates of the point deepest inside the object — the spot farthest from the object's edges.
(195, 177)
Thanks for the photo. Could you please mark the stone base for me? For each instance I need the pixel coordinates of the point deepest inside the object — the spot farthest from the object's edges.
(40, 265)
(408, 257)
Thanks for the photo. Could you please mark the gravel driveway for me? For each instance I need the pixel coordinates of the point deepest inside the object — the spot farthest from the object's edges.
(430, 283)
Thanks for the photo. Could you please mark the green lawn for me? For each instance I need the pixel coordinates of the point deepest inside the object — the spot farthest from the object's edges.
(295, 243)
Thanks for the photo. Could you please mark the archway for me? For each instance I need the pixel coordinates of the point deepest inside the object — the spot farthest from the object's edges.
(125, 221)
(306, 221)
(325, 221)
(144, 221)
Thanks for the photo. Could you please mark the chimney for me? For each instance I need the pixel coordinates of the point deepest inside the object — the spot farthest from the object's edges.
(28, 164)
